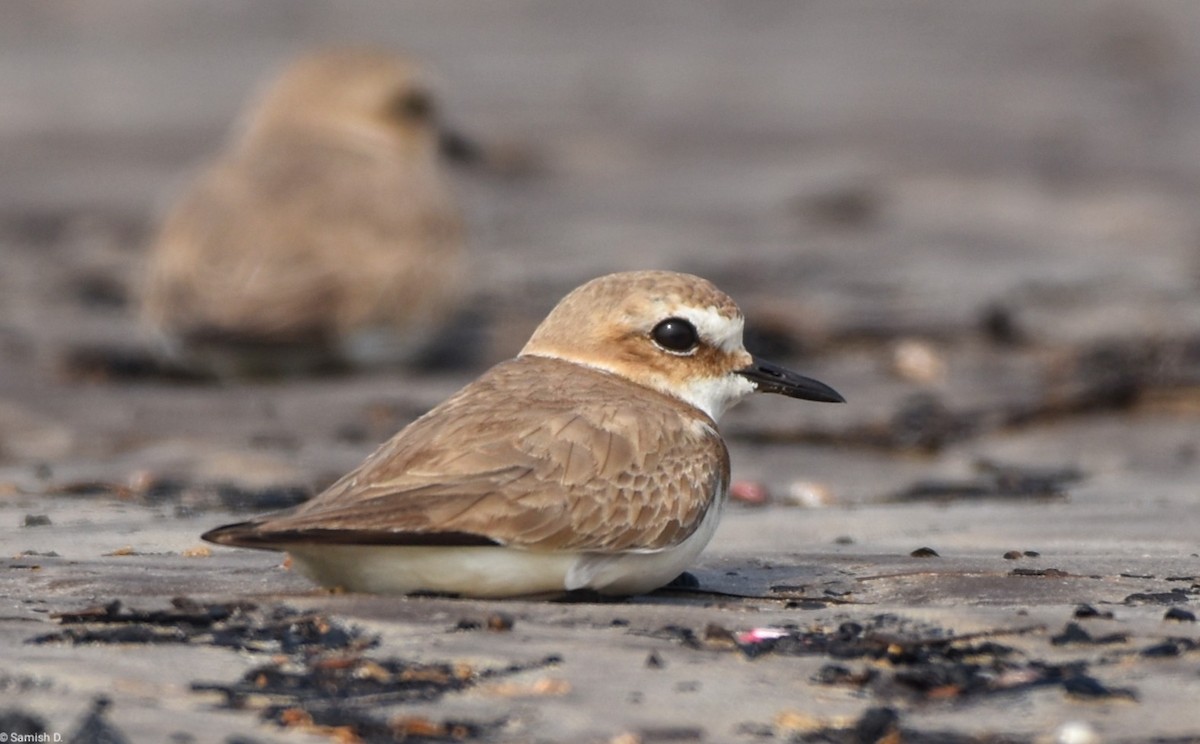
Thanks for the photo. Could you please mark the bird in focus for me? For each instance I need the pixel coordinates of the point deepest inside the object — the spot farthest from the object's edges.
(591, 461)
(324, 235)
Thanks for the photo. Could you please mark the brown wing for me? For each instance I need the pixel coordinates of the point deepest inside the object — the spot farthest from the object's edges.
(537, 453)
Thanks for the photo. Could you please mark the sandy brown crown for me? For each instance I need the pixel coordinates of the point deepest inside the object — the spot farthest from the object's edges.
(607, 322)
(346, 89)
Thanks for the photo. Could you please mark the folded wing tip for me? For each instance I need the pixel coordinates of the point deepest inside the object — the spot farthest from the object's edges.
(239, 534)
(253, 535)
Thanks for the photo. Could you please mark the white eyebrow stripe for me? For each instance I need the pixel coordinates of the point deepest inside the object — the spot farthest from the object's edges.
(721, 331)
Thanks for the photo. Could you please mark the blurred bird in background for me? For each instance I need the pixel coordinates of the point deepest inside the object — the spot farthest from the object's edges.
(324, 235)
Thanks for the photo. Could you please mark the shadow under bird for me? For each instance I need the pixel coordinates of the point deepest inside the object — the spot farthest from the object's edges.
(591, 461)
(323, 235)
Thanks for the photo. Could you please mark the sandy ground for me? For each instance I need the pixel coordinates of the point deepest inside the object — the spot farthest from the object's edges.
(1005, 191)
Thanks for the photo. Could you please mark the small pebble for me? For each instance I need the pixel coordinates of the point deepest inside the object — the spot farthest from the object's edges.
(807, 494)
(499, 622)
(1180, 615)
(1076, 732)
(1014, 555)
(1000, 325)
(797, 722)
(142, 480)
(1085, 611)
(1164, 650)
(751, 493)
(37, 520)
(917, 361)
(924, 553)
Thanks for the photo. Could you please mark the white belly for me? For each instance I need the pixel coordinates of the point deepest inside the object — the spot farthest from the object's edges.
(493, 572)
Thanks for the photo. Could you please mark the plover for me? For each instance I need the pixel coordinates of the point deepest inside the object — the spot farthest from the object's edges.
(323, 235)
(590, 461)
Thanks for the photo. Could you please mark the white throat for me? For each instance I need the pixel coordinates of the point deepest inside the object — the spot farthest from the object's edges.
(714, 395)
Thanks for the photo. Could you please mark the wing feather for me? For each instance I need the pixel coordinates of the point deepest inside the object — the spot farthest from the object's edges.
(593, 464)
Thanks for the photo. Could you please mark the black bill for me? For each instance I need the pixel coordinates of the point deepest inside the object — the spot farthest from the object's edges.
(457, 148)
(771, 378)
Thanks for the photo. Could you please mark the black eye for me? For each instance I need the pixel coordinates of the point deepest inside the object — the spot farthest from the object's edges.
(414, 105)
(675, 334)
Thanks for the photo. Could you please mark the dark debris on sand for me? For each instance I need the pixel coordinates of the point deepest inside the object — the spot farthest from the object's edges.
(188, 496)
(94, 727)
(349, 724)
(343, 694)
(1175, 596)
(907, 663)
(18, 722)
(315, 679)
(996, 481)
(341, 680)
(880, 725)
(242, 626)
(103, 364)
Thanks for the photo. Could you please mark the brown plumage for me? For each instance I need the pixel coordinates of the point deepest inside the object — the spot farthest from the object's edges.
(597, 464)
(324, 233)
(592, 460)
